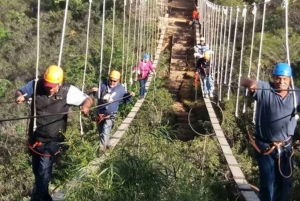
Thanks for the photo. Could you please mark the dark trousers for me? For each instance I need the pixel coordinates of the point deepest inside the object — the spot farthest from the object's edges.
(42, 170)
(274, 186)
(143, 87)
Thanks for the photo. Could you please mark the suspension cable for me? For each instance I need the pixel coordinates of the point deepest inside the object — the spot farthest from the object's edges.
(244, 14)
(259, 55)
(128, 39)
(223, 53)
(113, 36)
(233, 52)
(220, 46)
(85, 61)
(251, 50)
(63, 33)
(123, 42)
(216, 44)
(286, 4)
(228, 45)
(134, 42)
(37, 62)
(102, 47)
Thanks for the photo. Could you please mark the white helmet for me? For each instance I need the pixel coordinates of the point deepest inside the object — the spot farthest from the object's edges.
(202, 39)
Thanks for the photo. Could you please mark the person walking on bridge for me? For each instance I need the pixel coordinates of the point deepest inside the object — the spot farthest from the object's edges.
(195, 17)
(143, 69)
(203, 68)
(275, 125)
(112, 93)
(50, 103)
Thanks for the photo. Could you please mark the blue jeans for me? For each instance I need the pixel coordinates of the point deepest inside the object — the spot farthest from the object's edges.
(193, 22)
(207, 82)
(104, 129)
(142, 87)
(273, 185)
(42, 170)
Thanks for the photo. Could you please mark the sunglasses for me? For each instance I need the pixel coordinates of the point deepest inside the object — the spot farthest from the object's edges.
(113, 80)
(50, 88)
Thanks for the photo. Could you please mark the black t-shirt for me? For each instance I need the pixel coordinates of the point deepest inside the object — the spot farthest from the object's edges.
(202, 66)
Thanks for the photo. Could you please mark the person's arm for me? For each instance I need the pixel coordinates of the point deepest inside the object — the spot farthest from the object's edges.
(95, 90)
(151, 67)
(134, 69)
(249, 83)
(77, 97)
(24, 91)
(86, 105)
(128, 97)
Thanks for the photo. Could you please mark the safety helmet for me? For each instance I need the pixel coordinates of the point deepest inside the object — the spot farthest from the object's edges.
(202, 39)
(146, 56)
(115, 74)
(282, 69)
(206, 56)
(53, 76)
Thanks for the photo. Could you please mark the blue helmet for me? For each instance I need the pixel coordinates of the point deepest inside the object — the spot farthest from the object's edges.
(282, 69)
(146, 56)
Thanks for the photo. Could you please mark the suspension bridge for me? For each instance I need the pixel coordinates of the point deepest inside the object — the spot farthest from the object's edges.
(220, 26)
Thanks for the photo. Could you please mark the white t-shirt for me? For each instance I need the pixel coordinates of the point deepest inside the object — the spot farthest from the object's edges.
(75, 96)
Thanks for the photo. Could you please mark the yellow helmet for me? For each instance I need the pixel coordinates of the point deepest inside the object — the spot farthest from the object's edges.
(206, 56)
(54, 74)
(115, 74)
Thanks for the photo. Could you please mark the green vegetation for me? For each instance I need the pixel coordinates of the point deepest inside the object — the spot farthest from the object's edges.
(150, 163)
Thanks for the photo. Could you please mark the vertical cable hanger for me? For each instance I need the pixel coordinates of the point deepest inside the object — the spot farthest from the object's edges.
(113, 36)
(63, 33)
(259, 54)
(37, 62)
(85, 61)
(244, 15)
(228, 45)
(102, 47)
(286, 5)
(233, 52)
(251, 50)
(223, 53)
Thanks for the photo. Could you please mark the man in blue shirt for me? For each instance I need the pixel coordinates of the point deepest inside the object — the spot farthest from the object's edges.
(275, 127)
(112, 93)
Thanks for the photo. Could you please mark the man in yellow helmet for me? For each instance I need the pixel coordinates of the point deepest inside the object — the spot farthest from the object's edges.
(50, 104)
(203, 67)
(110, 94)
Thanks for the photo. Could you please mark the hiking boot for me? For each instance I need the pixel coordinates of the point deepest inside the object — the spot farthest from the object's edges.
(211, 95)
(205, 96)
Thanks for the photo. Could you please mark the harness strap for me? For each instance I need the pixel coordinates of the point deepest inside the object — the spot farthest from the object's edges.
(38, 144)
(102, 117)
(276, 145)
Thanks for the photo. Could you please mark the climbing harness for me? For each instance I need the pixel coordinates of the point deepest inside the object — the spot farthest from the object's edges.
(279, 146)
(39, 144)
(102, 117)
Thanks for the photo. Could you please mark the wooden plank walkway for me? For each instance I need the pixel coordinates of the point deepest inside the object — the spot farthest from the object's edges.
(94, 165)
(238, 176)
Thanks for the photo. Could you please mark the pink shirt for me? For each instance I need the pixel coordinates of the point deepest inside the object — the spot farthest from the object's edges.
(144, 68)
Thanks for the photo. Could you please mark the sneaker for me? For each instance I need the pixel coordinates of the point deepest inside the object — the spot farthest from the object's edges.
(205, 96)
(211, 95)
